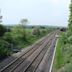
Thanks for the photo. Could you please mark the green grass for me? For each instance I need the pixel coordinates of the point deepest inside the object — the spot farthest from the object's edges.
(29, 30)
(59, 55)
(63, 58)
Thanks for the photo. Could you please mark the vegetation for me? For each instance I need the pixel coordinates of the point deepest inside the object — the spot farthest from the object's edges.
(18, 37)
(2, 30)
(63, 59)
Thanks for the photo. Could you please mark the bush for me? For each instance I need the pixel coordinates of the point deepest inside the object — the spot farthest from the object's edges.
(70, 39)
(64, 38)
(2, 30)
(7, 37)
(4, 51)
(36, 31)
(19, 33)
(44, 31)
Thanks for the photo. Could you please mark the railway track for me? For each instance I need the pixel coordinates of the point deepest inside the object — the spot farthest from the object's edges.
(45, 64)
(13, 58)
(34, 64)
(29, 61)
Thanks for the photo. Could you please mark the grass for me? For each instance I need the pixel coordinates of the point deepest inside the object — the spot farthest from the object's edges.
(28, 30)
(59, 60)
(59, 55)
(63, 58)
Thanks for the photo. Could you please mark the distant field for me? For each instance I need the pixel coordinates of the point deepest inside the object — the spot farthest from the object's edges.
(29, 30)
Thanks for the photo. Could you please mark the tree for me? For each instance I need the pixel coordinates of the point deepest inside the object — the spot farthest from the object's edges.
(4, 51)
(70, 18)
(2, 30)
(69, 32)
(8, 37)
(36, 31)
(23, 23)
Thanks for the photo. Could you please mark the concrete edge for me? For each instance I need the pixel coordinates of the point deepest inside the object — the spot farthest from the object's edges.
(50, 70)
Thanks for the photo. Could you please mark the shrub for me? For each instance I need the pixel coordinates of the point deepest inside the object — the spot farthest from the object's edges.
(7, 37)
(4, 51)
(36, 31)
(2, 30)
(70, 39)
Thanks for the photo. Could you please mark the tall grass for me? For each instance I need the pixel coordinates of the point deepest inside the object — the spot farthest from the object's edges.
(59, 55)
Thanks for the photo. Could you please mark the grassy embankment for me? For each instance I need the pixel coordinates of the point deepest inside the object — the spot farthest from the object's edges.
(63, 58)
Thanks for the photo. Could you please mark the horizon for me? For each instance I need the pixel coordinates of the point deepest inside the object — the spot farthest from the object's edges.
(35, 25)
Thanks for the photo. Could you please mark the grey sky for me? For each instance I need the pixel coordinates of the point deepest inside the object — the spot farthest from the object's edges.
(38, 12)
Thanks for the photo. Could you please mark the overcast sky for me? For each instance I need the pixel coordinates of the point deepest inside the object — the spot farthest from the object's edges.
(38, 12)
